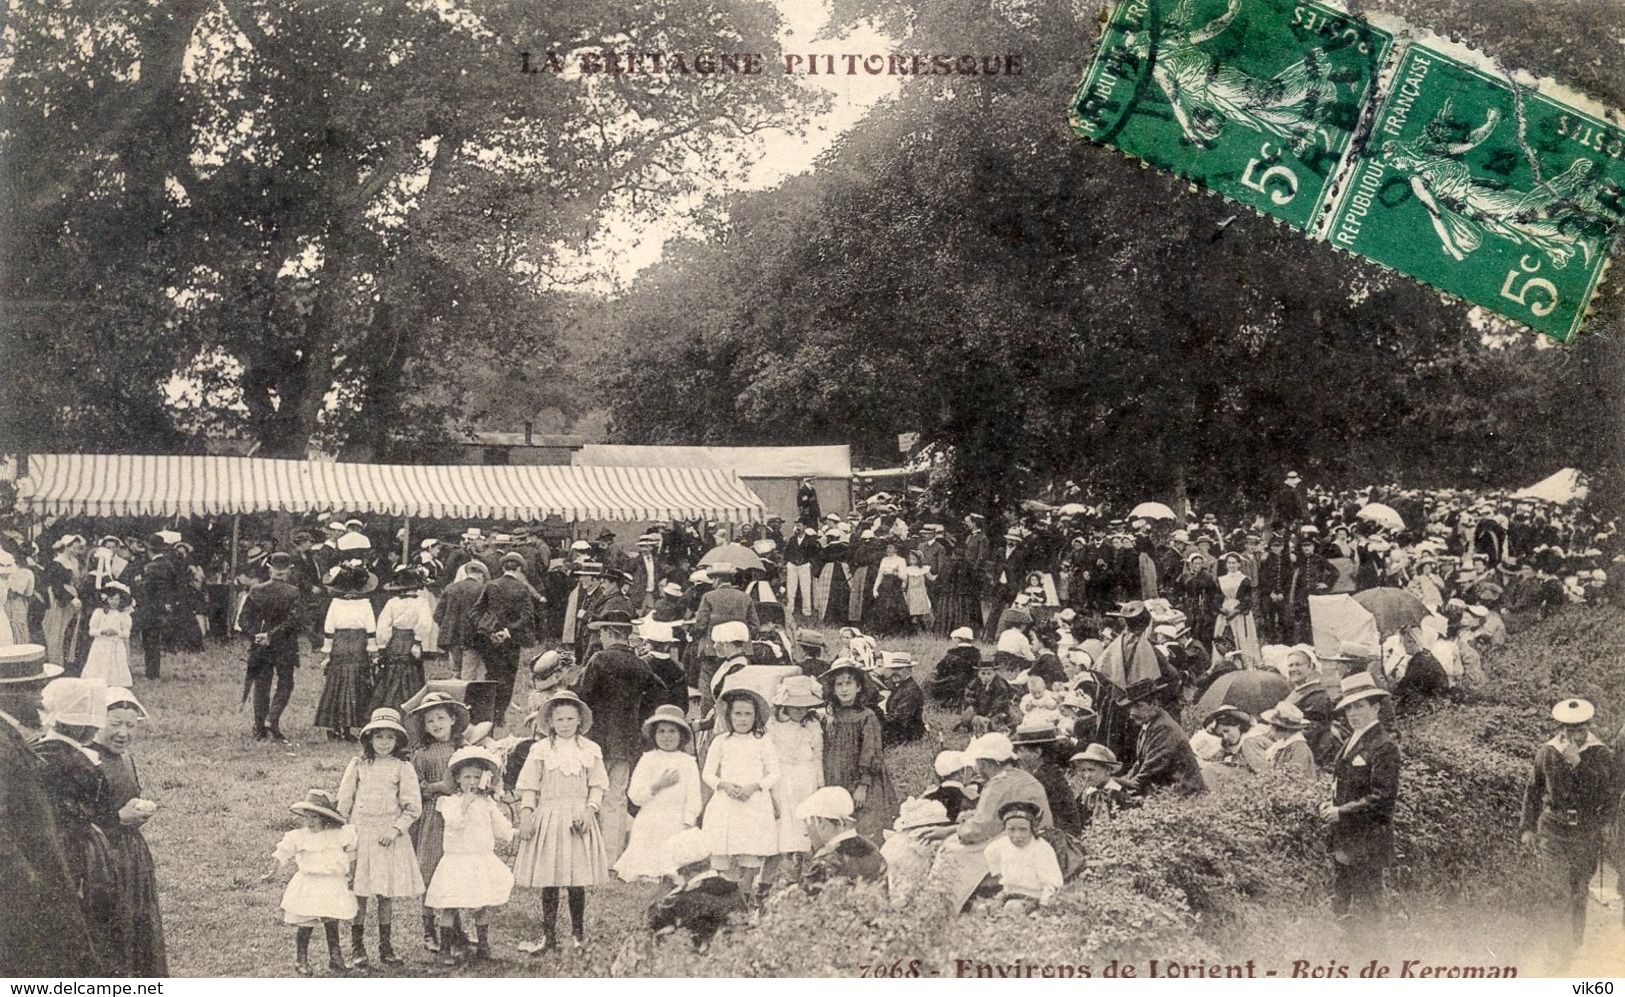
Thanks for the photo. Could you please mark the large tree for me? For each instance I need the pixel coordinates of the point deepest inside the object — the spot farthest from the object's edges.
(318, 213)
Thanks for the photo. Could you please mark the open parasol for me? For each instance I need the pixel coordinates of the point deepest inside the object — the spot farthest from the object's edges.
(1152, 510)
(1383, 516)
(1392, 608)
(734, 556)
(1075, 509)
(1252, 689)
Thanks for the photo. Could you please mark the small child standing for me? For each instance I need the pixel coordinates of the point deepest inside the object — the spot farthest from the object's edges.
(665, 786)
(798, 739)
(1025, 863)
(321, 848)
(470, 876)
(441, 722)
(741, 768)
(561, 789)
(380, 796)
(109, 657)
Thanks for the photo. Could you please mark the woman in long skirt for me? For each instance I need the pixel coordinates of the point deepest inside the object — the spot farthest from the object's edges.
(1236, 609)
(401, 626)
(351, 641)
(888, 615)
(136, 919)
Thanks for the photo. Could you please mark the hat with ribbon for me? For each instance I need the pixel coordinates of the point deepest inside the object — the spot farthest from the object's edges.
(1019, 808)
(1286, 716)
(1035, 732)
(1099, 754)
(384, 718)
(320, 803)
(669, 714)
(1356, 688)
(1140, 692)
(1573, 711)
(613, 619)
(799, 691)
(917, 813)
(26, 663)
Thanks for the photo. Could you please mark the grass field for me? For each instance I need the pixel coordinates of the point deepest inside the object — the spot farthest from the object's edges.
(224, 804)
(224, 801)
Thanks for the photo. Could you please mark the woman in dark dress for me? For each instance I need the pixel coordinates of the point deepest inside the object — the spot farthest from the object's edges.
(351, 641)
(81, 804)
(888, 614)
(138, 923)
(401, 626)
(835, 578)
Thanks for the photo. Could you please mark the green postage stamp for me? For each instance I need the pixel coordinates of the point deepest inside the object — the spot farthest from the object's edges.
(1255, 99)
(1506, 194)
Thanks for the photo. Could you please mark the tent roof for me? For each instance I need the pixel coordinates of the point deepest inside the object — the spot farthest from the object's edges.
(1563, 487)
(747, 462)
(123, 485)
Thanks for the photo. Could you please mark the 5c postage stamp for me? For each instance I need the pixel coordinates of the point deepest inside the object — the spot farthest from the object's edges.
(1507, 193)
(1486, 189)
(1255, 99)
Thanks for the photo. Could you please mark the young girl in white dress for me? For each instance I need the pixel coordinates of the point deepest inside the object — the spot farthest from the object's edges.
(742, 768)
(561, 789)
(470, 876)
(319, 893)
(798, 740)
(109, 657)
(380, 795)
(665, 786)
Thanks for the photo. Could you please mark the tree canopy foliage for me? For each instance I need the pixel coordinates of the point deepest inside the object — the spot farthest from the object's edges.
(962, 266)
(314, 216)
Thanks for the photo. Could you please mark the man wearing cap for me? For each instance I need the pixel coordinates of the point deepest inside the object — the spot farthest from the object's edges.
(1365, 787)
(508, 610)
(1572, 796)
(622, 690)
(1162, 754)
(272, 617)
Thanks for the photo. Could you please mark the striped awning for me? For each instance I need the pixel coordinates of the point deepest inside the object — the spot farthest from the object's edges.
(125, 485)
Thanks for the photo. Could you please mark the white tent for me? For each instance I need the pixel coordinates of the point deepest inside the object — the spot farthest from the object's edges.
(773, 473)
(1567, 485)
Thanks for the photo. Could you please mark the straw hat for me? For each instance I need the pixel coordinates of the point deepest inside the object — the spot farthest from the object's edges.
(384, 718)
(669, 714)
(1573, 711)
(440, 700)
(1098, 754)
(917, 812)
(544, 713)
(1357, 687)
(801, 691)
(26, 663)
(472, 755)
(1286, 716)
(319, 802)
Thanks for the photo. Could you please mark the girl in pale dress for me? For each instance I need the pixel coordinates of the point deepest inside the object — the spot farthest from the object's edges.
(561, 789)
(441, 722)
(109, 657)
(916, 594)
(1236, 609)
(742, 768)
(665, 787)
(470, 877)
(402, 624)
(319, 893)
(380, 796)
(798, 740)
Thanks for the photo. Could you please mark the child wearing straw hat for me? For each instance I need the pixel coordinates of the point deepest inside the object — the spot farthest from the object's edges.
(665, 787)
(319, 893)
(798, 739)
(741, 768)
(470, 877)
(381, 797)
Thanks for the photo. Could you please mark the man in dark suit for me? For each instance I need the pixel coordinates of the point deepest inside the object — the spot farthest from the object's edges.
(508, 600)
(648, 568)
(622, 690)
(1365, 786)
(976, 553)
(1162, 755)
(807, 510)
(157, 600)
(902, 718)
(1288, 507)
(272, 617)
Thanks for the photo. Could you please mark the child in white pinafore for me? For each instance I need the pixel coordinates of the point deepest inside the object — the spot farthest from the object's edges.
(470, 876)
(798, 740)
(319, 893)
(109, 657)
(665, 786)
(561, 789)
(742, 768)
(381, 797)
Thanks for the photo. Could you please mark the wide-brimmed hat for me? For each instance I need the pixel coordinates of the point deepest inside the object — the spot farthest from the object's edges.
(26, 663)
(443, 701)
(671, 588)
(1035, 732)
(351, 579)
(588, 569)
(353, 541)
(1140, 691)
(1351, 650)
(1573, 711)
(544, 712)
(916, 812)
(1286, 716)
(1020, 808)
(1097, 753)
(384, 718)
(827, 677)
(963, 633)
(616, 619)
(547, 670)
(407, 579)
(669, 714)
(830, 803)
(896, 659)
(1129, 610)
(655, 631)
(810, 638)
(472, 755)
(321, 803)
(800, 691)
(725, 701)
(1357, 687)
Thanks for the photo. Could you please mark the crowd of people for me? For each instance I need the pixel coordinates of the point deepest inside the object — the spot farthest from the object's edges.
(671, 712)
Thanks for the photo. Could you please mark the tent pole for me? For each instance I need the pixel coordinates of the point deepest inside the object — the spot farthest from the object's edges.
(406, 540)
(236, 528)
